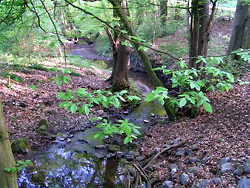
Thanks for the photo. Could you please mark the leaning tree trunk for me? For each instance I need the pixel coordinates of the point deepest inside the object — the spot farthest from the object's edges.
(240, 37)
(143, 55)
(7, 179)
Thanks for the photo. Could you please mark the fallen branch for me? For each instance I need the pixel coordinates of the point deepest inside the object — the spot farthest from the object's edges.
(163, 151)
(141, 172)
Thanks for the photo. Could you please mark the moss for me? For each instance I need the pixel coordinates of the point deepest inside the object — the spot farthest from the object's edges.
(19, 146)
(43, 127)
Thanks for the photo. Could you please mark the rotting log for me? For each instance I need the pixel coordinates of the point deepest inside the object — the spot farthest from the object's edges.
(7, 179)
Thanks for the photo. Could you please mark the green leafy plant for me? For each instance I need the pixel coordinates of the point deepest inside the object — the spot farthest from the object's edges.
(19, 166)
(123, 127)
(192, 83)
(81, 101)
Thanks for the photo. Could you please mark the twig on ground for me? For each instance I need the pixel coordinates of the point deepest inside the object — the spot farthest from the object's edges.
(163, 151)
(141, 171)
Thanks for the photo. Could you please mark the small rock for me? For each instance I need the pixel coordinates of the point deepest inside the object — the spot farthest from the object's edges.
(22, 104)
(99, 155)
(43, 127)
(172, 160)
(173, 168)
(188, 151)
(100, 112)
(224, 160)
(194, 169)
(175, 141)
(204, 183)
(205, 160)
(239, 171)
(226, 167)
(180, 152)
(140, 158)
(68, 140)
(247, 167)
(194, 159)
(146, 121)
(114, 148)
(48, 103)
(187, 162)
(126, 112)
(129, 156)
(195, 147)
(61, 139)
(216, 180)
(167, 184)
(244, 182)
(152, 115)
(150, 168)
(20, 146)
(184, 179)
(101, 147)
(10, 103)
(71, 136)
(137, 154)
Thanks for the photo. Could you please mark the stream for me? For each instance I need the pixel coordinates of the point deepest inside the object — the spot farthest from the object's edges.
(77, 160)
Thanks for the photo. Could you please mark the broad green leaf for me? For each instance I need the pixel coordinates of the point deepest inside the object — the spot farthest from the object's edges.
(127, 140)
(182, 102)
(73, 108)
(128, 130)
(208, 107)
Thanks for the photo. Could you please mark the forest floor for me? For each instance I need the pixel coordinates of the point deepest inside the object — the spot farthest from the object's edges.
(209, 137)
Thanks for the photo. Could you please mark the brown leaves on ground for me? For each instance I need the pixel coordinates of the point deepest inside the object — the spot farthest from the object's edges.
(24, 108)
(224, 133)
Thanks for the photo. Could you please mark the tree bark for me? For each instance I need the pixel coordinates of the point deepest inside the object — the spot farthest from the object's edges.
(121, 57)
(7, 179)
(163, 11)
(240, 37)
(143, 55)
(200, 28)
(194, 33)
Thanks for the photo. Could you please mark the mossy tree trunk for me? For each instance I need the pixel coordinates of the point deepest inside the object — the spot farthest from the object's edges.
(7, 179)
(143, 55)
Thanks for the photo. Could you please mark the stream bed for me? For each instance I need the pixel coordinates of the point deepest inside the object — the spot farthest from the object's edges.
(79, 161)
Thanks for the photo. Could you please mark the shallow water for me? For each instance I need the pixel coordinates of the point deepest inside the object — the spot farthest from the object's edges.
(65, 168)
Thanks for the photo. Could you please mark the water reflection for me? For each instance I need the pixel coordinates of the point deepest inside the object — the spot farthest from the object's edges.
(64, 168)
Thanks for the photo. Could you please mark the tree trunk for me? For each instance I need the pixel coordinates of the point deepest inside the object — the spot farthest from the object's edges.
(120, 77)
(7, 179)
(194, 34)
(163, 11)
(200, 30)
(143, 55)
(115, 42)
(121, 58)
(110, 173)
(203, 35)
(240, 37)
